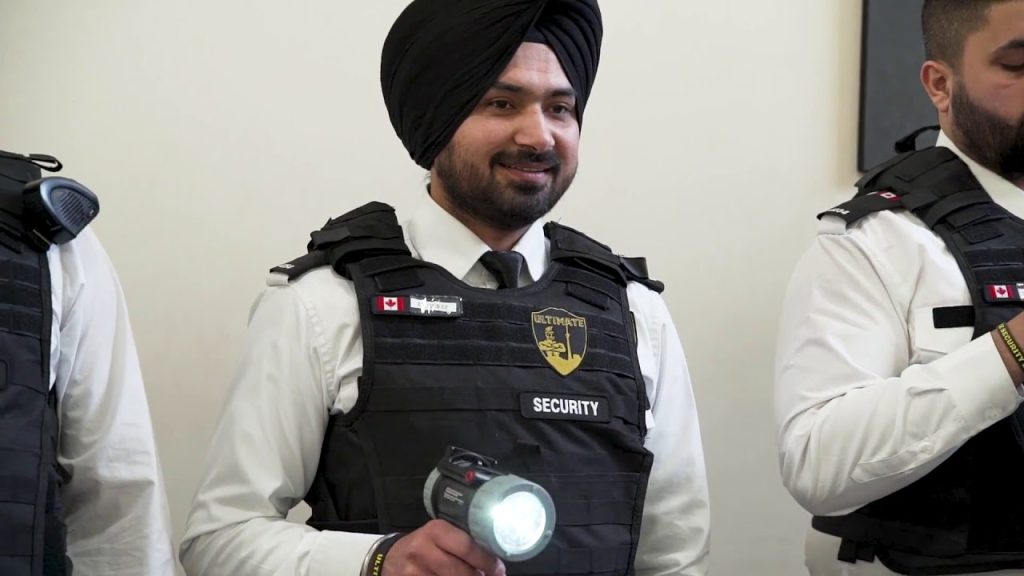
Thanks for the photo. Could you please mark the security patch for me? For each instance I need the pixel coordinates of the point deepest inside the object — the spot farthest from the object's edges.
(435, 306)
(561, 337)
(544, 406)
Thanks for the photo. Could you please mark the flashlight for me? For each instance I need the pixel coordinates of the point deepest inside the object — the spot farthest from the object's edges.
(507, 515)
(56, 210)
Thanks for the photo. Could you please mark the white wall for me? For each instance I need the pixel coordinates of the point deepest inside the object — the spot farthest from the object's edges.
(218, 134)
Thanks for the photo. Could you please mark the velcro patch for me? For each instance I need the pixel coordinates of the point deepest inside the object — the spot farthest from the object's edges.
(543, 406)
(414, 305)
(1004, 292)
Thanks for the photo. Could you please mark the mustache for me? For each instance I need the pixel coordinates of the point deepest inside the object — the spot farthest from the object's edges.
(549, 159)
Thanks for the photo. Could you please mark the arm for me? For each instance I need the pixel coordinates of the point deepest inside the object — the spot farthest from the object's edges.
(674, 538)
(862, 412)
(266, 449)
(116, 509)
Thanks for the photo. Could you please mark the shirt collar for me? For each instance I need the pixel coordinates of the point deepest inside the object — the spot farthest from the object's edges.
(1002, 191)
(436, 236)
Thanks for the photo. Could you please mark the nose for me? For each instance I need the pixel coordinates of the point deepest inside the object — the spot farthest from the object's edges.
(533, 130)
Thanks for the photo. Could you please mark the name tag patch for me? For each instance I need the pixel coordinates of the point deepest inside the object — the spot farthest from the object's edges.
(438, 306)
(541, 406)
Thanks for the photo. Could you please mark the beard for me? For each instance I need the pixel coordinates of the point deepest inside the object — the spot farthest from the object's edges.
(503, 206)
(992, 141)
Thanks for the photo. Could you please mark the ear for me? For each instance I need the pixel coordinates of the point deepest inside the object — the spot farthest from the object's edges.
(937, 78)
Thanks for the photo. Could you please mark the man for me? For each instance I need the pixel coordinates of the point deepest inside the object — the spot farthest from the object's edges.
(357, 376)
(81, 491)
(896, 402)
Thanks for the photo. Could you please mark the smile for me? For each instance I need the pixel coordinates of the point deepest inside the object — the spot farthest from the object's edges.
(528, 173)
(527, 169)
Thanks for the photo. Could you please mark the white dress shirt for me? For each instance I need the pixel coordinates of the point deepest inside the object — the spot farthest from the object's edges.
(302, 356)
(115, 504)
(869, 396)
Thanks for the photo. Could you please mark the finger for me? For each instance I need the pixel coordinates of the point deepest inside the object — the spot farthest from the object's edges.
(459, 544)
(437, 562)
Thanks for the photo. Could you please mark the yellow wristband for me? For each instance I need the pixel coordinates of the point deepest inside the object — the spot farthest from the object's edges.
(1011, 344)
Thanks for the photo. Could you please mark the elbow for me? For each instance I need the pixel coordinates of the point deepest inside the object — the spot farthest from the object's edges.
(815, 503)
(808, 485)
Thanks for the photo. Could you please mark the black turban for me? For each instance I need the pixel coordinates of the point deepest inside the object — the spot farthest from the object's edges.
(442, 56)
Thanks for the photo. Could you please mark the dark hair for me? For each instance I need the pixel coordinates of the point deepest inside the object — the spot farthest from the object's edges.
(947, 24)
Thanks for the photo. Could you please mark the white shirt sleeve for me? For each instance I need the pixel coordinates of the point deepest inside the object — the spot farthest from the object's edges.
(266, 449)
(869, 395)
(674, 537)
(115, 504)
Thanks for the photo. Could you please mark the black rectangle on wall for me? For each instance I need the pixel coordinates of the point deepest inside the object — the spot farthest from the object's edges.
(892, 101)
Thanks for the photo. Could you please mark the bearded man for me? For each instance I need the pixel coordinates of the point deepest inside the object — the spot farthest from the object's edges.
(385, 344)
(900, 353)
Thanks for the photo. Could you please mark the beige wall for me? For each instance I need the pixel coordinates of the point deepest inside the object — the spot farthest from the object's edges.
(218, 133)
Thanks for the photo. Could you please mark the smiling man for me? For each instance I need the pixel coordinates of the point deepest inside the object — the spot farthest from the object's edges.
(474, 325)
(899, 363)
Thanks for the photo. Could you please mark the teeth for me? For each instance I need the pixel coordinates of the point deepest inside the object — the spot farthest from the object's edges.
(525, 169)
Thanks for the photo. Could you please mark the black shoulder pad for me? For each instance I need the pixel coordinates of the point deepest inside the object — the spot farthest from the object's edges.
(301, 265)
(910, 180)
(364, 211)
(368, 231)
(860, 206)
(636, 270)
(900, 173)
(570, 245)
(865, 185)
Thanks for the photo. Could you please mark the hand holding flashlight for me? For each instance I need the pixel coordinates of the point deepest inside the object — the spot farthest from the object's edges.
(438, 547)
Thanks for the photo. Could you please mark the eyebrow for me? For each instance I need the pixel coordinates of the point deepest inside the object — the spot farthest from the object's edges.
(517, 89)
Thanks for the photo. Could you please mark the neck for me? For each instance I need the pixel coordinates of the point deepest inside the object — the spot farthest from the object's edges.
(495, 239)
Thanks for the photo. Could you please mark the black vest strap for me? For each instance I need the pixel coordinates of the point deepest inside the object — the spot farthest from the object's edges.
(32, 532)
(933, 183)
(372, 237)
(953, 317)
(572, 246)
(366, 232)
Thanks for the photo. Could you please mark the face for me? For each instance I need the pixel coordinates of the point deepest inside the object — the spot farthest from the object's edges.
(512, 159)
(987, 93)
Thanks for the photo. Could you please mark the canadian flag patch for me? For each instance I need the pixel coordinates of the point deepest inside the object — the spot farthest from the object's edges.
(1004, 292)
(391, 304)
(999, 291)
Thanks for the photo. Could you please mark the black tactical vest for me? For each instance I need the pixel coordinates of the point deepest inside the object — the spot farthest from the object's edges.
(544, 378)
(967, 514)
(32, 532)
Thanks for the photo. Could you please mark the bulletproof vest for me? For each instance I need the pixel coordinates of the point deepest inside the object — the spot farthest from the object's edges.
(966, 515)
(544, 378)
(32, 532)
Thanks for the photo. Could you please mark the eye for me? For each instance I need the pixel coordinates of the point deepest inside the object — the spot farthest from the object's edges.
(500, 104)
(561, 109)
(1012, 66)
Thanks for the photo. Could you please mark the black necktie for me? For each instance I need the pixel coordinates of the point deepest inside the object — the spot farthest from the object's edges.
(504, 266)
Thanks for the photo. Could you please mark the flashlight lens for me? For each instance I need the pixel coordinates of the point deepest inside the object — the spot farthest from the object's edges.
(519, 522)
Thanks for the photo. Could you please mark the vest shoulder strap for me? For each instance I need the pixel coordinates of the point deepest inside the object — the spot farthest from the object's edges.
(15, 172)
(932, 183)
(373, 232)
(369, 231)
(573, 247)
